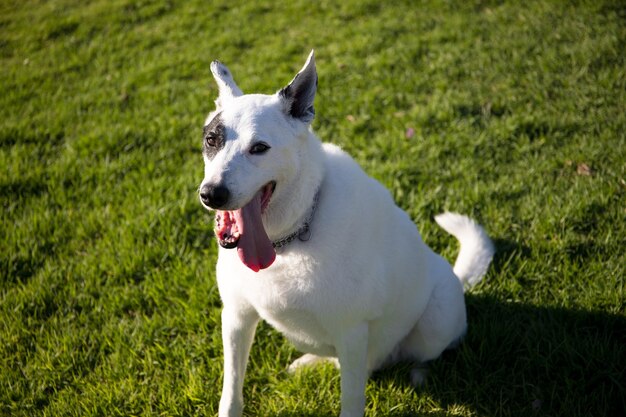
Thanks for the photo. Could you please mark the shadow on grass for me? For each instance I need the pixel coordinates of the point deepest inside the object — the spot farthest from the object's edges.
(526, 360)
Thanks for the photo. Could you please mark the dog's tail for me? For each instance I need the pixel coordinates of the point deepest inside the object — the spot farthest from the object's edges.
(476, 248)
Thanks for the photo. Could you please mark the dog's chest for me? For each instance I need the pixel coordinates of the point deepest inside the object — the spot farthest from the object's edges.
(296, 313)
(294, 304)
(301, 328)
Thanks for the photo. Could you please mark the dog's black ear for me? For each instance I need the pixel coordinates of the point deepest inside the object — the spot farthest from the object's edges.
(299, 95)
(225, 82)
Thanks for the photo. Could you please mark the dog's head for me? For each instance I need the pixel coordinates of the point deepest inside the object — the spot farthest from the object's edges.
(249, 155)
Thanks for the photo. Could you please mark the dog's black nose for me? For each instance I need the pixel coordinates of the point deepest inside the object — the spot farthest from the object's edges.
(214, 196)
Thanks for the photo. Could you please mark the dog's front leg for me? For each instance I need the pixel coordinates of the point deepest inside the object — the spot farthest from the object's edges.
(238, 327)
(352, 355)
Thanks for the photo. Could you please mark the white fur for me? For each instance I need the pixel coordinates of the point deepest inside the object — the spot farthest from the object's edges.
(476, 249)
(365, 288)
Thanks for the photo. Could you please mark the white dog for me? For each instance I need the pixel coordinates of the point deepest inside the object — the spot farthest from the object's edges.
(315, 247)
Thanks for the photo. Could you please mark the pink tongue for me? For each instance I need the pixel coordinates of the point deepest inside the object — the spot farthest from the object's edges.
(254, 247)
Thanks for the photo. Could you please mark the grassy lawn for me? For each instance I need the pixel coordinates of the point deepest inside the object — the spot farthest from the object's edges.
(511, 112)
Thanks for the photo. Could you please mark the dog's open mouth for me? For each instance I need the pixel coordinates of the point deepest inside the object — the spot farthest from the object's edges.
(243, 229)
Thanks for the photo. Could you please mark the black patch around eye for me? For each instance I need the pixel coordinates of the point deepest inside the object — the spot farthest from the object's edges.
(214, 136)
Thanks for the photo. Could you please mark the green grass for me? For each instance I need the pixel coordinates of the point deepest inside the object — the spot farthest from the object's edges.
(512, 113)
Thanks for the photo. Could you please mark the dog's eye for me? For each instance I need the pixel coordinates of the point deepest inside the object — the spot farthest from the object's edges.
(210, 140)
(259, 148)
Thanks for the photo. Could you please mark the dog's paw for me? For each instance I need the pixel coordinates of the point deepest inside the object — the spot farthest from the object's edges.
(418, 377)
(309, 359)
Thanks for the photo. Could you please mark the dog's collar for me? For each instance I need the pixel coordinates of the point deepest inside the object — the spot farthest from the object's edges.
(304, 232)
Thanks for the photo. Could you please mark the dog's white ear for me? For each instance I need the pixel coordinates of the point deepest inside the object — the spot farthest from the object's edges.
(225, 82)
(299, 95)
